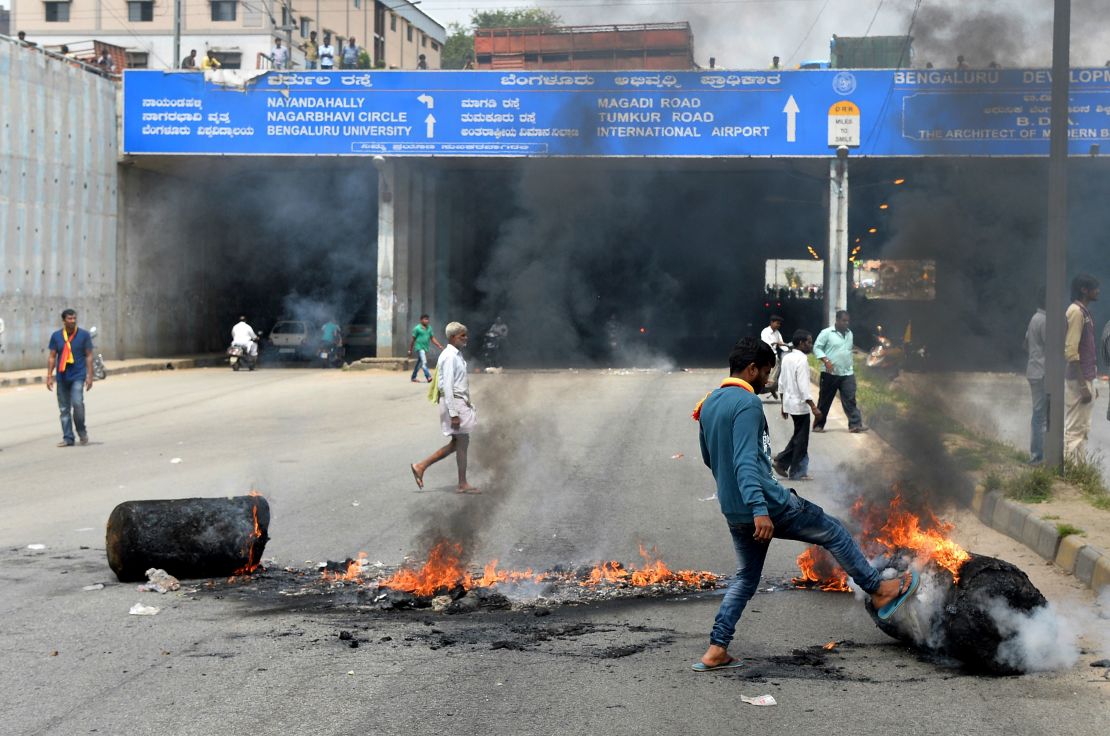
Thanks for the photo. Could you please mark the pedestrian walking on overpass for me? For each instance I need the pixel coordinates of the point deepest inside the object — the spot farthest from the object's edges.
(70, 367)
(457, 417)
(736, 447)
(833, 348)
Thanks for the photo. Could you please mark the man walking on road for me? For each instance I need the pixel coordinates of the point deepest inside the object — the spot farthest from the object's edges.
(735, 445)
(797, 402)
(1034, 373)
(422, 341)
(71, 355)
(1079, 352)
(456, 412)
(834, 349)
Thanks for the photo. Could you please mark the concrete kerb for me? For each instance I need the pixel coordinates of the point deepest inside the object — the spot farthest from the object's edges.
(1071, 553)
(31, 377)
(1085, 565)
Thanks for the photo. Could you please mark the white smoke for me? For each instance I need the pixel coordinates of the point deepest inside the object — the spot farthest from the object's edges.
(1041, 640)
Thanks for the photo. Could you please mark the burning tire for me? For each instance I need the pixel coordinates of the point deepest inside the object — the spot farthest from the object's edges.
(188, 538)
(969, 619)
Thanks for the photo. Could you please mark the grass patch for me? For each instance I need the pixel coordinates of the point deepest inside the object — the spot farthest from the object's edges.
(1032, 486)
(1050, 517)
(1086, 475)
(992, 481)
(969, 458)
(1066, 530)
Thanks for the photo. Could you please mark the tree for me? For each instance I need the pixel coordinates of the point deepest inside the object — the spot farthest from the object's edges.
(519, 18)
(459, 47)
(460, 39)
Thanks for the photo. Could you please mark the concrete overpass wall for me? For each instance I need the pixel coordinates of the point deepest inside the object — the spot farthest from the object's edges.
(63, 201)
(58, 217)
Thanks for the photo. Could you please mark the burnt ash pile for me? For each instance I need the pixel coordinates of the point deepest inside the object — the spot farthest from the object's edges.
(972, 618)
(465, 593)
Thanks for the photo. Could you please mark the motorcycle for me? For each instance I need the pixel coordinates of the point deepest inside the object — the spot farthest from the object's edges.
(99, 372)
(331, 355)
(490, 353)
(239, 356)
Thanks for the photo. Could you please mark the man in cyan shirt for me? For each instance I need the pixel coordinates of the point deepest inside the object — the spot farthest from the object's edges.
(833, 348)
(71, 368)
(1079, 352)
(735, 445)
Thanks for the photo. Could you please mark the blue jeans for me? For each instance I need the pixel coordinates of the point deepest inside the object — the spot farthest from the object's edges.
(802, 521)
(309, 64)
(1038, 422)
(421, 362)
(71, 404)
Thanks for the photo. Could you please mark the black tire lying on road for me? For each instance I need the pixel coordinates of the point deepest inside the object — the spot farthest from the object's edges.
(188, 537)
(955, 619)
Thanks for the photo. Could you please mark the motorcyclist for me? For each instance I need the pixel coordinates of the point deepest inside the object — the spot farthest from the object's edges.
(331, 337)
(244, 336)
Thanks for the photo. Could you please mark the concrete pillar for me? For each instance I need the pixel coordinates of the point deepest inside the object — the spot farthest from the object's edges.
(836, 270)
(386, 295)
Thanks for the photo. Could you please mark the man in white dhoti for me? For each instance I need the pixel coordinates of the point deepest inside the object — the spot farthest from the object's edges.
(456, 412)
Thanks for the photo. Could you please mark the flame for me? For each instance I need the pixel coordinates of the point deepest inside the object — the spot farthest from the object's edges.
(251, 565)
(442, 572)
(886, 530)
(353, 572)
(445, 571)
(653, 572)
(830, 646)
(819, 570)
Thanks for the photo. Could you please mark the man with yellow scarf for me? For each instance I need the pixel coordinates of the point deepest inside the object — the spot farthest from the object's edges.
(736, 447)
(71, 357)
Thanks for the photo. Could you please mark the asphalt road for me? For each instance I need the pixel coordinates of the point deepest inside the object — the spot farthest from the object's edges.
(576, 467)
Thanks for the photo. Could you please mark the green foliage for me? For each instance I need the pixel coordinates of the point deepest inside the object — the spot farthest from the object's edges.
(459, 47)
(364, 60)
(1065, 530)
(992, 482)
(518, 18)
(1086, 475)
(1032, 486)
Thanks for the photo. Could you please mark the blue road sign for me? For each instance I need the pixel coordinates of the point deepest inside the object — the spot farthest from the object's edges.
(696, 114)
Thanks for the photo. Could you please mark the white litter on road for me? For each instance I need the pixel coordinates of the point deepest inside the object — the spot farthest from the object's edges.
(175, 461)
(94, 586)
(36, 547)
(140, 610)
(759, 700)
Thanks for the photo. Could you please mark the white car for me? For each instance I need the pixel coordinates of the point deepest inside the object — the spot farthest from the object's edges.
(293, 339)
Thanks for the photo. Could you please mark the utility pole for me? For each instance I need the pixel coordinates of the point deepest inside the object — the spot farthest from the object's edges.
(177, 33)
(1056, 266)
(836, 281)
(288, 32)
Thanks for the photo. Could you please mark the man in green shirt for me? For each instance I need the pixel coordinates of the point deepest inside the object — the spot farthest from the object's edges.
(833, 348)
(422, 340)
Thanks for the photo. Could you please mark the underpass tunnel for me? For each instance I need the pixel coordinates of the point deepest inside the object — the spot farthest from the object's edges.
(644, 262)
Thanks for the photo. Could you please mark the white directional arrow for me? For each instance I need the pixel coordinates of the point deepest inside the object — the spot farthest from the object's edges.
(431, 121)
(791, 111)
(427, 100)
